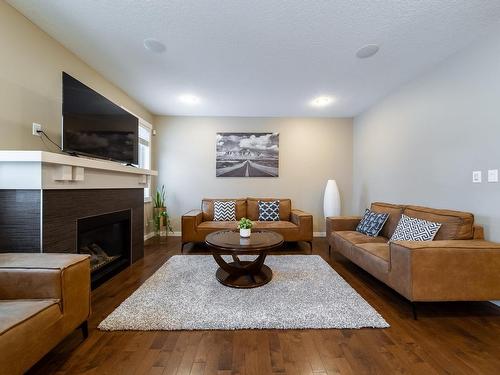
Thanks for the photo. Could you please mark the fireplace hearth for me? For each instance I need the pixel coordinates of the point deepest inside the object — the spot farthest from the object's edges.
(107, 239)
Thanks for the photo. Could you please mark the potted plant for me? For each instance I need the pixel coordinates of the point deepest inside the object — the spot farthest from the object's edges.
(245, 226)
(160, 215)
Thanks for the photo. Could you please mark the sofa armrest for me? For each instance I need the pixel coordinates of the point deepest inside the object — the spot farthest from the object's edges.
(341, 223)
(297, 215)
(304, 221)
(65, 277)
(194, 217)
(452, 270)
(189, 222)
(478, 232)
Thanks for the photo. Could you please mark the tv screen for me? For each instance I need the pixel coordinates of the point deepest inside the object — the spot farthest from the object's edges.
(95, 126)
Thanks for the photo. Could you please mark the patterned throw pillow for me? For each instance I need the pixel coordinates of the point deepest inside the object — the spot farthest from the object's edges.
(224, 211)
(372, 223)
(413, 229)
(269, 211)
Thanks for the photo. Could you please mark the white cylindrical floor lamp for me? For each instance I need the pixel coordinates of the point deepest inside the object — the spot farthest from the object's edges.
(331, 200)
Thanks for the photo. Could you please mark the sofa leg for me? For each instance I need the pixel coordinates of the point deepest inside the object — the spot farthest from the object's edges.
(414, 310)
(329, 251)
(310, 246)
(85, 329)
(182, 247)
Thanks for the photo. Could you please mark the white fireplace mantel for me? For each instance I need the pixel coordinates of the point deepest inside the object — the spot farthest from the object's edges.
(48, 170)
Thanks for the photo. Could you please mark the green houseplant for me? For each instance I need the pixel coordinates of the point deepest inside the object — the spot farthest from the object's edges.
(160, 215)
(245, 226)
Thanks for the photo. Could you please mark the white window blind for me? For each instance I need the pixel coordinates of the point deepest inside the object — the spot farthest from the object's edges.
(145, 152)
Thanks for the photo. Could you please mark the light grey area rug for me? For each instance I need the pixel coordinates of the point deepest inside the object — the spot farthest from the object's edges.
(184, 294)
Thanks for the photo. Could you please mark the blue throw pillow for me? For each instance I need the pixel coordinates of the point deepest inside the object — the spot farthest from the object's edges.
(269, 211)
(372, 223)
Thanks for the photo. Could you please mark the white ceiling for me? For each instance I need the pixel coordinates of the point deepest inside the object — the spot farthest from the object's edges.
(262, 57)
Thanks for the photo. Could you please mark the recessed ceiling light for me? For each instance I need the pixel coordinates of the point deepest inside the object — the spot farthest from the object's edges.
(322, 101)
(367, 51)
(154, 45)
(189, 99)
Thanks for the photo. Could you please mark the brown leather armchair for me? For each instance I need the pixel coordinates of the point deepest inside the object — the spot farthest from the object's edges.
(43, 298)
(294, 225)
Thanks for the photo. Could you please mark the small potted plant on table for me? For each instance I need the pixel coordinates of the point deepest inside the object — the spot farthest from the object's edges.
(245, 226)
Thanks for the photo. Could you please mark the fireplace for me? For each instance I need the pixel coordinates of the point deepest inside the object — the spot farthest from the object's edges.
(107, 239)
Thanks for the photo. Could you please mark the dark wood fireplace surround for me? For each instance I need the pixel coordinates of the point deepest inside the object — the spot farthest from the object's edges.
(46, 220)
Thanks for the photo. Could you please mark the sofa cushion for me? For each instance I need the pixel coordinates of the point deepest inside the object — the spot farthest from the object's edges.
(372, 222)
(456, 225)
(224, 211)
(269, 211)
(219, 225)
(270, 225)
(207, 206)
(287, 229)
(394, 211)
(373, 258)
(413, 229)
(380, 250)
(15, 312)
(356, 237)
(253, 208)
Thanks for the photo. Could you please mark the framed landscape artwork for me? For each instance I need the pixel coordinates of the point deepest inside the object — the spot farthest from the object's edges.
(247, 155)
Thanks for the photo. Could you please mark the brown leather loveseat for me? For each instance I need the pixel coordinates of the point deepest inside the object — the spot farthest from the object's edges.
(43, 298)
(294, 225)
(458, 265)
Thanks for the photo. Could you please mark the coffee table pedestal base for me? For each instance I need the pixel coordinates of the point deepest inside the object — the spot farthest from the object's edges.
(244, 280)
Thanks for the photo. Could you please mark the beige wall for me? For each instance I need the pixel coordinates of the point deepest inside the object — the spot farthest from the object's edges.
(421, 144)
(31, 63)
(311, 152)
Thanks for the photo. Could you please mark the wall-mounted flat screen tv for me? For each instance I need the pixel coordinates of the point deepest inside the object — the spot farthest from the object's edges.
(94, 126)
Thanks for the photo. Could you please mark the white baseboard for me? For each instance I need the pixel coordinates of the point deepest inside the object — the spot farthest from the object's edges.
(152, 234)
(319, 234)
(148, 236)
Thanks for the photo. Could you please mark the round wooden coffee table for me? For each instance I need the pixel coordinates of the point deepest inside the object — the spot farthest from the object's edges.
(243, 273)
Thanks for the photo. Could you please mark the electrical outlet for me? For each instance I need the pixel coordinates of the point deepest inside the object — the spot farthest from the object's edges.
(36, 129)
(477, 177)
(493, 175)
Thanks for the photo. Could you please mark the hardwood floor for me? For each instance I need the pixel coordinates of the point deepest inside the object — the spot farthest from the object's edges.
(447, 338)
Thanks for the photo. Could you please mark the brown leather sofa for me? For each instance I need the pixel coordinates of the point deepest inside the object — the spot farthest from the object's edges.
(294, 225)
(43, 298)
(458, 265)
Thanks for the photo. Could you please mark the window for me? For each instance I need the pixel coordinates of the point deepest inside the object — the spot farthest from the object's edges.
(145, 153)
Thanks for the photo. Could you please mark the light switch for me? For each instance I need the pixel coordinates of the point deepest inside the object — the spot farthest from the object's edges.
(493, 175)
(477, 177)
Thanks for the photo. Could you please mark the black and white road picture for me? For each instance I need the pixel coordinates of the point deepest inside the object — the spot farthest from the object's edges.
(247, 155)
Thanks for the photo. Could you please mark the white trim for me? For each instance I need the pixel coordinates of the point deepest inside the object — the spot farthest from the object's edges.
(144, 123)
(41, 221)
(170, 234)
(148, 236)
(319, 234)
(67, 160)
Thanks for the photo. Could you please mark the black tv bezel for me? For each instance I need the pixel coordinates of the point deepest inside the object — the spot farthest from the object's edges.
(90, 155)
